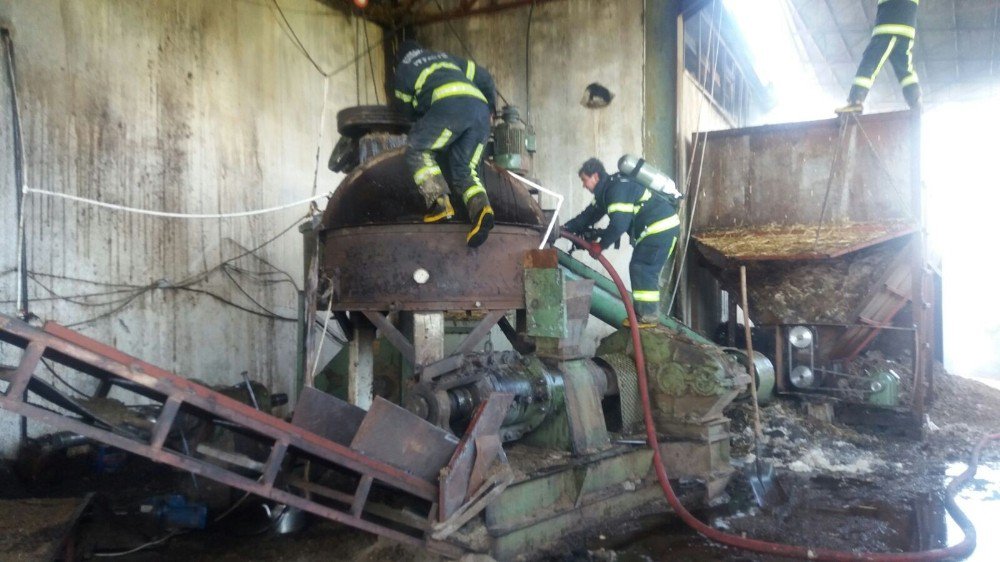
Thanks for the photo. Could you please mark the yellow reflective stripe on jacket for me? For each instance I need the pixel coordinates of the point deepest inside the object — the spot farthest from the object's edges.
(894, 29)
(622, 208)
(456, 89)
(659, 226)
(405, 98)
(470, 70)
(426, 73)
(646, 296)
(630, 207)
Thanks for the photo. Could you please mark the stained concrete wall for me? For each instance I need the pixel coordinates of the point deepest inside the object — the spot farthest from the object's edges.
(174, 105)
(573, 43)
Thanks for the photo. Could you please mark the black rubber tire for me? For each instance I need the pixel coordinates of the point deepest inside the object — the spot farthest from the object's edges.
(360, 120)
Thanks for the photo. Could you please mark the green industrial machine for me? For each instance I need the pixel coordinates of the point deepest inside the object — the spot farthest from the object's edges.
(564, 456)
(572, 435)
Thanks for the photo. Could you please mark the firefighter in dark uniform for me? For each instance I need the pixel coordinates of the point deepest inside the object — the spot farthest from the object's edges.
(892, 40)
(453, 100)
(651, 222)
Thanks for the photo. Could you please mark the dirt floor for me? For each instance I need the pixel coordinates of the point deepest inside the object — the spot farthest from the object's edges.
(847, 487)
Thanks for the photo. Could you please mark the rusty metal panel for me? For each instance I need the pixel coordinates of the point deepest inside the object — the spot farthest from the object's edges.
(783, 176)
(456, 482)
(327, 416)
(398, 437)
(382, 192)
(372, 268)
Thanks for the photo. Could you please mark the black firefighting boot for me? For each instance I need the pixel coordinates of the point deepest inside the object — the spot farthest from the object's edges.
(435, 192)
(440, 210)
(913, 97)
(647, 313)
(481, 216)
(855, 101)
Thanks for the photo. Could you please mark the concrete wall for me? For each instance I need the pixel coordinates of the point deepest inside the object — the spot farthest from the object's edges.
(174, 105)
(573, 43)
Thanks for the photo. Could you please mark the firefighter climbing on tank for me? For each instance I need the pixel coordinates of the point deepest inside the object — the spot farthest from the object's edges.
(892, 40)
(648, 214)
(453, 100)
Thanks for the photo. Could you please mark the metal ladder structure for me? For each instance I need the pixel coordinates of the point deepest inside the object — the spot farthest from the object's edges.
(385, 462)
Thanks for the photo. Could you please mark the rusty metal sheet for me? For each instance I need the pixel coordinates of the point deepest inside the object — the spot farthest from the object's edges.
(887, 298)
(456, 481)
(400, 438)
(778, 174)
(543, 259)
(327, 416)
(372, 268)
(382, 192)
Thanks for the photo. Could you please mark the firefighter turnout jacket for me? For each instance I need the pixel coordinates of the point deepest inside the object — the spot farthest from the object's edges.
(630, 207)
(424, 77)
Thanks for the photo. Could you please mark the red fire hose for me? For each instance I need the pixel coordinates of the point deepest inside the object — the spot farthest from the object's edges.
(961, 549)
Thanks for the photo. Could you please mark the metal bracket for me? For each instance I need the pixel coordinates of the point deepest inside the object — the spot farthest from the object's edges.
(392, 334)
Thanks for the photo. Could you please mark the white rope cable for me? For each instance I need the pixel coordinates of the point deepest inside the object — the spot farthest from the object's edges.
(555, 214)
(28, 190)
(319, 350)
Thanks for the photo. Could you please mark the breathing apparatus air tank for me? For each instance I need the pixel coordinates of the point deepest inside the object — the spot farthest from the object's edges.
(647, 175)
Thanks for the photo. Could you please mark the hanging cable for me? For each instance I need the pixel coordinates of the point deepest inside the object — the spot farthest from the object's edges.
(371, 63)
(357, 61)
(319, 142)
(527, 64)
(19, 178)
(297, 42)
(115, 310)
(158, 541)
(62, 380)
(468, 52)
(247, 295)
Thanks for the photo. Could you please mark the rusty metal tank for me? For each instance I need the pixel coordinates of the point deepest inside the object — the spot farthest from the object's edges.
(377, 254)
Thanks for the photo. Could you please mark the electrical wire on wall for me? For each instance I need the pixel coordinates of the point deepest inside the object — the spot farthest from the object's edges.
(137, 291)
(371, 63)
(527, 65)
(19, 177)
(465, 47)
(132, 292)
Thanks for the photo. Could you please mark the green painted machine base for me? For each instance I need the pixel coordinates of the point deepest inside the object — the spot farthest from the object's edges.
(556, 506)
